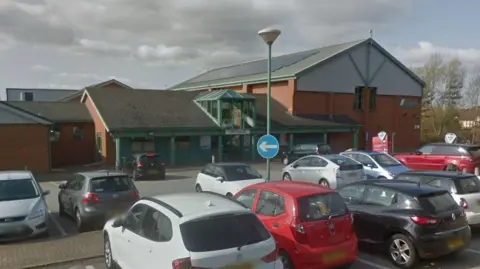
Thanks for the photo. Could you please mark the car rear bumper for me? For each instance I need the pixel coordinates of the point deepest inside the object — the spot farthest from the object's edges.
(310, 258)
(438, 245)
(98, 218)
(24, 229)
(144, 175)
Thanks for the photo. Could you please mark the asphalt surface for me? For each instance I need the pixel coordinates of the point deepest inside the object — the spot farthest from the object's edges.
(183, 181)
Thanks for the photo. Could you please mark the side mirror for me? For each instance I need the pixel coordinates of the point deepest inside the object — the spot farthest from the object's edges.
(296, 165)
(62, 186)
(418, 152)
(370, 165)
(46, 192)
(118, 222)
(221, 179)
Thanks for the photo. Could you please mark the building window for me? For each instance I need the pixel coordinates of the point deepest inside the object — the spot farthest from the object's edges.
(54, 135)
(27, 96)
(373, 98)
(182, 142)
(77, 133)
(358, 98)
(99, 142)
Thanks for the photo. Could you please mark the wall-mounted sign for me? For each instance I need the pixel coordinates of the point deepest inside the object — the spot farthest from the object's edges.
(382, 135)
(237, 131)
(450, 138)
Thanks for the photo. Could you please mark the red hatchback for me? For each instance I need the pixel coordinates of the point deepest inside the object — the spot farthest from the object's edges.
(311, 224)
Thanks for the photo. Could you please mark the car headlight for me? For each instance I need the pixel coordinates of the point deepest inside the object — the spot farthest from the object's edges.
(37, 213)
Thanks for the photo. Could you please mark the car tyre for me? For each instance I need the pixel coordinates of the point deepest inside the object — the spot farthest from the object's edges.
(451, 167)
(324, 183)
(61, 209)
(402, 252)
(198, 188)
(285, 259)
(287, 176)
(382, 178)
(229, 195)
(108, 256)
(79, 221)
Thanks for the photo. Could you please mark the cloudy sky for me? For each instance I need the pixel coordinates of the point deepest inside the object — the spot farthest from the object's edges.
(158, 43)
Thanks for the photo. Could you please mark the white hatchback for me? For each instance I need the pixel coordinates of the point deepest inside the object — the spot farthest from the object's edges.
(226, 178)
(191, 230)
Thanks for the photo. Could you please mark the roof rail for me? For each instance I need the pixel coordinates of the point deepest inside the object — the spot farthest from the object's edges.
(226, 197)
(163, 204)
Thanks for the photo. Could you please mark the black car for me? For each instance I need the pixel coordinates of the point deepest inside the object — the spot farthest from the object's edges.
(412, 221)
(303, 150)
(147, 166)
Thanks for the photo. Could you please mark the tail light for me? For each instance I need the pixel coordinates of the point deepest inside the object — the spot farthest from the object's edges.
(162, 164)
(298, 231)
(139, 165)
(185, 263)
(318, 153)
(271, 257)
(90, 199)
(134, 194)
(424, 220)
(463, 204)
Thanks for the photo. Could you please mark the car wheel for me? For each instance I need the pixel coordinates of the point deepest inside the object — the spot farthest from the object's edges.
(287, 176)
(198, 188)
(402, 251)
(229, 195)
(381, 178)
(107, 250)
(61, 209)
(285, 160)
(324, 183)
(79, 221)
(286, 261)
(451, 167)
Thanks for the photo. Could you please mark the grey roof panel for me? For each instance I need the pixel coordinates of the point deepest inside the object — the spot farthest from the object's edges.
(55, 111)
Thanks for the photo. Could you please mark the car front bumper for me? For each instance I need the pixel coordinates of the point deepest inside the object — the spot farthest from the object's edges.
(27, 228)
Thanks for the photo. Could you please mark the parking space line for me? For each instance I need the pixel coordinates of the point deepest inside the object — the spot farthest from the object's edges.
(54, 183)
(372, 264)
(57, 224)
(473, 250)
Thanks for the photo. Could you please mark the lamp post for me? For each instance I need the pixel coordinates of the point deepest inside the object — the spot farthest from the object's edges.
(269, 35)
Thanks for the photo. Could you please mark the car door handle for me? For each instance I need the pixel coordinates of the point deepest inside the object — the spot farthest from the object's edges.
(276, 225)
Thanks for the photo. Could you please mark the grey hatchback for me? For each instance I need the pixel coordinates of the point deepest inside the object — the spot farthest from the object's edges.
(92, 198)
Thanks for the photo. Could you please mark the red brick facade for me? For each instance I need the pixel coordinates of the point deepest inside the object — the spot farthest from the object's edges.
(70, 149)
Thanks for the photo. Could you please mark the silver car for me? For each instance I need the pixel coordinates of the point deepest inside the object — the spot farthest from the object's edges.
(331, 170)
(23, 211)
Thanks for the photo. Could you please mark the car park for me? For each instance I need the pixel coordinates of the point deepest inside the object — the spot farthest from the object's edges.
(189, 230)
(331, 170)
(91, 198)
(148, 166)
(226, 178)
(311, 224)
(377, 164)
(23, 211)
(465, 188)
(412, 221)
(302, 150)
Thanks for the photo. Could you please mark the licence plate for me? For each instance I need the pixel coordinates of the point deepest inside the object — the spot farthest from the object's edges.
(334, 256)
(239, 266)
(153, 172)
(455, 243)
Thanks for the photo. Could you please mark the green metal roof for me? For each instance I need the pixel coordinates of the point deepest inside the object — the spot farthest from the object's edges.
(223, 95)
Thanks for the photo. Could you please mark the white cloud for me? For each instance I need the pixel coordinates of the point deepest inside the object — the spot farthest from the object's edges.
(40, 68)
(89, 78)
(6, 42)
(59, 86)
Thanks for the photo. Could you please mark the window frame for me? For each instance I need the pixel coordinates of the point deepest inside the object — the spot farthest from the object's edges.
(146, 235)
(372, 203)
(140, 220)
(275, 208)
(360, 199)
(255, 194)
(308, 159)
(358, 98)
(373, 99)
(25, 94)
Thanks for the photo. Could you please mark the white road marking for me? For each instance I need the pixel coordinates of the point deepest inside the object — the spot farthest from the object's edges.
(473, 250)
(54, 183)
(57, 224)
(89, 267)
(372, 264)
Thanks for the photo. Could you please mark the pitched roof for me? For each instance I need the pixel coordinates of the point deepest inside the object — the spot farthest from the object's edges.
(24, 114)
(148, 109)
(54, 111)
(223, 95)
(111, 81)
(283, 67)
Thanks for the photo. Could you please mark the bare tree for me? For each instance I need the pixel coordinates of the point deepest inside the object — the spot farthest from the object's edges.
(472, 100)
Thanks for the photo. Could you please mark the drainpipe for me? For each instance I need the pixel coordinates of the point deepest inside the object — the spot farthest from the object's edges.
(393, 143)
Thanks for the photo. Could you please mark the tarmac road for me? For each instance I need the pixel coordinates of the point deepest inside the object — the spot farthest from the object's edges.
(183, 181)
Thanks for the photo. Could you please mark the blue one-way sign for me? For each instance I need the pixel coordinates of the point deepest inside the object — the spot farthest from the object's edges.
(268, 146)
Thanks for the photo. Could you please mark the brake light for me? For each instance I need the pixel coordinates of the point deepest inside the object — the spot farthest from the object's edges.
(298, 231)
(463, 203)
(185, 263)
(90, 199)
(139, 165)
(318, 153)
(424, 220)
(271, 257)
(151, 155)
(134, 194)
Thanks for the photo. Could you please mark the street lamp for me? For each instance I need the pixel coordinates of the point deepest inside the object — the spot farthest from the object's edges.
(269, 35)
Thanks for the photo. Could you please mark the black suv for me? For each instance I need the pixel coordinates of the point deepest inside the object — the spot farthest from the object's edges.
(303, 150)
(147, 166)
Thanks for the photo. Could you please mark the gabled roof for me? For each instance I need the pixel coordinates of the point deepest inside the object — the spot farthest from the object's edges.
(25, 114)
(108, 82)
(283, 67)
(72, 96)
(58, 112)
(223, 95)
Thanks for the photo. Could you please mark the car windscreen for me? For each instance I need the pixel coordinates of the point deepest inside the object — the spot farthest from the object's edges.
(437, 202)
(385, 160)
(340, 160)
(474, 150)
(111, 184)
(321, 207)
(17, 189)
(467, 185)
(240, 172)
(149, 159)
(223, 232)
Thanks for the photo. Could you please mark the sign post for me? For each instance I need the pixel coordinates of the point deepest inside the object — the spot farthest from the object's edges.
(268, 147)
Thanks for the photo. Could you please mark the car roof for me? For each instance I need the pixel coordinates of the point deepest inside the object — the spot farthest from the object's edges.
(190, 203)
(229, 164)
(101, 173)
(13, 175)
(368, 152)
(403, 186)
(294, 189)
(446, 174)
(452, 145)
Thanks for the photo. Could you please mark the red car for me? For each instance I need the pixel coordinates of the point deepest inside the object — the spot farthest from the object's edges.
(311, 224)
(442, 156)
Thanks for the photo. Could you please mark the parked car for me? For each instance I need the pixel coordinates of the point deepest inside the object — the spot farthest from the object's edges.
(303, 150)
(23, 210)
(328, 170)
(190, 230)
(147, 166)
(441, 156)
(226, 178)
(412, 221)
(311, 224)
(465, 188)
(377, 164)
(92, 198)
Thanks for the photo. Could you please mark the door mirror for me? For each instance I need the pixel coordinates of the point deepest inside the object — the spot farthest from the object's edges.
(118, 222)
(221, 179)
(62, 186)
(46, 192)
(418, 152)
(371, 165)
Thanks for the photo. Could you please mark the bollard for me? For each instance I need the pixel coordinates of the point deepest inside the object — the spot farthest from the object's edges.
(477, 171)
(213, 158)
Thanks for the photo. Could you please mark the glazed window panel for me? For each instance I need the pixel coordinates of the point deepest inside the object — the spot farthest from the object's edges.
(373, 98)
(358, 98)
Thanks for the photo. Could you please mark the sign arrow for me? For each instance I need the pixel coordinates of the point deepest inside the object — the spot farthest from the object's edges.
(265, 147)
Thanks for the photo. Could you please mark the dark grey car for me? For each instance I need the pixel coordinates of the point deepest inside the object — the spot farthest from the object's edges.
(92, 198)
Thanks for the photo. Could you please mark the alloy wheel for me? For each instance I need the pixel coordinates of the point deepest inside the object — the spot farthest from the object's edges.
(108, 253)
(400, 251)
